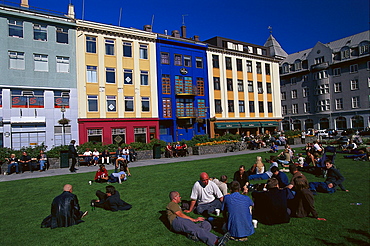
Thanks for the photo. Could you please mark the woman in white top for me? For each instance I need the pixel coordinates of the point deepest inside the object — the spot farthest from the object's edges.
(96, 155)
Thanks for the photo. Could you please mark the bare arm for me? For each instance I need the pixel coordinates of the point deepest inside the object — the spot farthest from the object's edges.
(182, 215)
(192, 204)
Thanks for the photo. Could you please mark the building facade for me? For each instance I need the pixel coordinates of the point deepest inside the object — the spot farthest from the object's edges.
(327, 86)
(38, 77)
(117, 86)
(183, 99)
(244, 88)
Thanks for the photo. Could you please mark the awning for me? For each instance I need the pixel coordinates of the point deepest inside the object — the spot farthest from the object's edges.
(269, 123)
(27, 120)
(227, 125)
(252, 124)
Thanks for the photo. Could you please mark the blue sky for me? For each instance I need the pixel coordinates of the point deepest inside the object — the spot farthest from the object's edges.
(297, 24)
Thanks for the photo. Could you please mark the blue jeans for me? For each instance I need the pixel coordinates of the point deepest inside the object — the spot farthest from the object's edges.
(42, 164)
(13, 164)
(259, 176)
(210, 207)
(321, 187)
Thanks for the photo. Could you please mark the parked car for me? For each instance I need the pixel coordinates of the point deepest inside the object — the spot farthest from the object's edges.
(322, 133)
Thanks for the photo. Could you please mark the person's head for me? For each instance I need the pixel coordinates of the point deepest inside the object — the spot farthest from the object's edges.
(241, 169)
(234, 186)
(87, 149)
(110, 190)
(122, 168)
(328, 164)
(41, 152)
(68, 188)
(95, 149)
(102, 167)
(273, 158)
(300, 183)
(204, 178)
(12, 156)
(175, 196)
(272, 183)
(300, 155)
(293, 169)
(316, 155)
(73, 141)
(24, 153)
(125, 147)
(275, 170)
(223, 178)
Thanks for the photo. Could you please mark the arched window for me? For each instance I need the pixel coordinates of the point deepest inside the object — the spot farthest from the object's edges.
(341, 123)
(297, 65)
(363, 47)
(324, 123)
(296, 125)
(308, 124)
(357, 122)
(345, 53)
(286, 125)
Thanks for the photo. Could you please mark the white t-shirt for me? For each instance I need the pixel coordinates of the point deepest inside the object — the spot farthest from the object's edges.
(206, 194)
(88, 153)
(221, 185)
(317, 147)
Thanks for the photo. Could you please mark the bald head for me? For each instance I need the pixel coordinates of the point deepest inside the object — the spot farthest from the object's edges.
(204, 178)
(67, 187)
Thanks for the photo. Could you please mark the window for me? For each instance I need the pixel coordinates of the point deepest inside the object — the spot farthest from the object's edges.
(91, 74)
(94, 135)
(353, 68)
(240, 85)
(319, 60)
(144, 78)
(322, 89)
(294, 94)
(184, 107)
(127, 49)
(364, 47)
(229, 84)
(187, 61)
(61, 98)
(200, 86)
(218, 107)
(201, 108)
(27, 99)
(15, 28)
(228, 63)
(285, 68)
(62, 64)
(260, 107)
(90, 44)
(109, 47)
(230, 106)
(250, 86)
(283, 110)
(127, 77)
(337, 71)
(199, 62)
(321, 75)
(62, 35)
(215, 61)
(110, 75)
(267, 69)
(41, 62)
(16, 60)
(306, 107)
(167, 112)
(241, 106)
(143, 51)
(355, 102)
(140, 135)
(92, 103)
(258, 67)
(345, 53)
(268, 88)
(249, 67)
(40, 32)
(338, 87)
(305, 92)
(323, 105)
(129, 104)
(183, 85)
(145, 104)
(119, 135)
(239, 64)
(354, 84)
(297, 65)
(166, 84)
(178, 60)
(111, 104)
(269, 107)
(295, 109)
(251, 107)
(305, 78)
(216, 83)
(339, 103)
(283, 95)
(293, 80)
(259, 87)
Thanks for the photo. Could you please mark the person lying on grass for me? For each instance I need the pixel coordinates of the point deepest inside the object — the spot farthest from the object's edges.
(110, 200)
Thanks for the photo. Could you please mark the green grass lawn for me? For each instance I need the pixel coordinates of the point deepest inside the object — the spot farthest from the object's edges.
(25, 203)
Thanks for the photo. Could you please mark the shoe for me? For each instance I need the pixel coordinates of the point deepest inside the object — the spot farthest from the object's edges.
(193, 238)
(76, 169)
(223, 240)
(72, 171)
(84, 214)
(217, 211)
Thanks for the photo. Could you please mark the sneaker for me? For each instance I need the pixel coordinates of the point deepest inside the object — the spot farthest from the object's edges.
(223, 240)
(84, 214)
(217, 211)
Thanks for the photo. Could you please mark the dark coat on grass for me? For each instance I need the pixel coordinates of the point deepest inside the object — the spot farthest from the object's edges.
(112, 203)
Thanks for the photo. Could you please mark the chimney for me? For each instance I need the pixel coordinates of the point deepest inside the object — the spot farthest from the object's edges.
(24, 4)
(175, 34)
(71, 11)
(196, 37)
(183, 31)
(148, 28)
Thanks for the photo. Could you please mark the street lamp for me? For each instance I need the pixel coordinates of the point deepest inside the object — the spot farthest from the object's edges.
(64, 121)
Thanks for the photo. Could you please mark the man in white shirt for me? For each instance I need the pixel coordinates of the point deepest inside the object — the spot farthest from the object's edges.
(206, 195)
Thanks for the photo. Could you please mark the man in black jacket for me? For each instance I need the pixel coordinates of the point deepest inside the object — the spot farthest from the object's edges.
(110, 200)
(333, 178)
(72, 153)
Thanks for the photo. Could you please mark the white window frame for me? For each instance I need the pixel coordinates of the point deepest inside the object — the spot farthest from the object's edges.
(337, 71)
(354, 84)
(38, 28)
(353, 68)
(62, 64)
(92, 98)
(41, 63)
(355, 102)
(143, 51)
(339, 103)
(109, 43)
(338, 87)
(294, 94)
(111, 104)
(110, 70)
(91, 74)
(294, 108)
(16, 60)
(144, 78)
(146, 100)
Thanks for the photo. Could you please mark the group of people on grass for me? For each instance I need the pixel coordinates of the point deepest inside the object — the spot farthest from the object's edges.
(24, 160)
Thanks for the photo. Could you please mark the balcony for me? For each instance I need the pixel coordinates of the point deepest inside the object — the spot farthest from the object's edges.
(182, 90)
(186, 113)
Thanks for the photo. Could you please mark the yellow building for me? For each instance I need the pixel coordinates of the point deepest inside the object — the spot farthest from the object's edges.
(116, 77)
(244, 88)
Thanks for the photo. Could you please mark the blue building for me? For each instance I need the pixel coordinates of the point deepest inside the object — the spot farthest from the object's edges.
(183, 98)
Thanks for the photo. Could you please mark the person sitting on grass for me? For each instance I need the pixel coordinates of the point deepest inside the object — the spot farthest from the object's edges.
(118, 177)
(236, 210)
(280, 176)
(274, 148)
(101, 175)
(110, 200)
(195, 231)
(333, 179)
(241, 176)
(268, 173)
(221, 183)
(294, 171)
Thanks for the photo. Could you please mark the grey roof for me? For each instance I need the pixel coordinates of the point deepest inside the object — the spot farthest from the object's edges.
(275, 47)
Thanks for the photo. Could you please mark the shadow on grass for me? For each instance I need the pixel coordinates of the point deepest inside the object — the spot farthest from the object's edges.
(351, 240)
(163, 218)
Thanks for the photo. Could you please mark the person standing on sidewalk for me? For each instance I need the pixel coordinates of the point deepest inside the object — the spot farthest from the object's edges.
(72, 153)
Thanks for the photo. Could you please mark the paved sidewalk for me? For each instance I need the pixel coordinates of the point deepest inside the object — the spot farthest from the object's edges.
(139, 163)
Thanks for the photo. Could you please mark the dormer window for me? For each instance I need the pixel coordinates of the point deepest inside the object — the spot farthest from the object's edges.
(364, 47)
(345, 53)
(297, 65)
(319, 60)
(285, 68)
